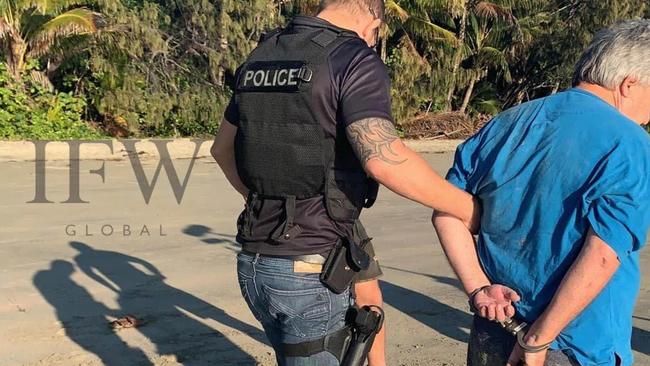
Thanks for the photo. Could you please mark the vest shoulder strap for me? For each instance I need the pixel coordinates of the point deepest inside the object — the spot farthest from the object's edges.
(328, 36)
(270, 34)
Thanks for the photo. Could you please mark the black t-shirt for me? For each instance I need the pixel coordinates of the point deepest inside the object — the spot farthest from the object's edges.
(355, 85)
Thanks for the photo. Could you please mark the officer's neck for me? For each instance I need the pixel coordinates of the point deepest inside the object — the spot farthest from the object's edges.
(342, 18)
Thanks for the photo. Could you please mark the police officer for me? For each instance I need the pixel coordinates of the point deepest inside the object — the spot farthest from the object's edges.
(306, 139)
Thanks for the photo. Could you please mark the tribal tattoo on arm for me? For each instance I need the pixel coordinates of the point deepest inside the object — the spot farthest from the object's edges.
(371, 138)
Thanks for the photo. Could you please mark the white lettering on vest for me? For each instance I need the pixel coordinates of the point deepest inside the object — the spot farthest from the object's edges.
(271, 78)
(282, 77)
(267, 82)
(249, 77)
(292, 77)
(275, 77)
(259, 78)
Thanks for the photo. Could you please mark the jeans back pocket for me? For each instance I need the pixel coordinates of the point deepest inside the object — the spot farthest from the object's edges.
(303, 313)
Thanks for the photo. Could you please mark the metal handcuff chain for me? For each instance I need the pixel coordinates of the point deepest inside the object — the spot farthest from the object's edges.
(520, 330)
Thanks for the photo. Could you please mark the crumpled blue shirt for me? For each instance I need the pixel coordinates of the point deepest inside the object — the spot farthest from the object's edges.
(545, 172)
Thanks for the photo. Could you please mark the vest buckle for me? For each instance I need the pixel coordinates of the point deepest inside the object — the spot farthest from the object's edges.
(305, 74)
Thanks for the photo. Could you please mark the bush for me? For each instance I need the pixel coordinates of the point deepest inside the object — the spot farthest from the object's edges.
(29, 111)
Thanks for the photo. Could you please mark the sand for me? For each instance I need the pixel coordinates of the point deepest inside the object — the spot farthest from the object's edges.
(63, 277)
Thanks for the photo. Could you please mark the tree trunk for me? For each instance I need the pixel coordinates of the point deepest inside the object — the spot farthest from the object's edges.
(457, 55)
(16, 59)
(468, 93)
(556, 88)
(221, 71)
(520, 97)
(384, 49)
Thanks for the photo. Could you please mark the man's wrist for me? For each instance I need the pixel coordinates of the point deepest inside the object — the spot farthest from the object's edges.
(537, 335)
(477, 289)
(472, 296)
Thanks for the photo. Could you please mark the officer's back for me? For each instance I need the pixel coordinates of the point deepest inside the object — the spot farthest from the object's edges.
(307, 137)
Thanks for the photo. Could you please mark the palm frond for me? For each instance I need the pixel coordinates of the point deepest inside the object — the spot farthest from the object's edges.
(396, 11)
(495, 58)
(50, 6)
(7, 10)
(431, 31)
(5, 28)
(80, 21)
(489, 10)
(39, 78)
(491, 55)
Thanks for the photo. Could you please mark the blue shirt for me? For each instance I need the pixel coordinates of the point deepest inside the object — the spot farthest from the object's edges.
(545, 172)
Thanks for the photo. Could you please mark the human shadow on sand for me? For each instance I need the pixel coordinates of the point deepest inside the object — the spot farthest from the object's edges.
(83, 319)
(440, 317)
(208, 236)
(169, 314)
(439, 279)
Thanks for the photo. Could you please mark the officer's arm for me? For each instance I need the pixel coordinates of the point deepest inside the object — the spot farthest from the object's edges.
(223, 151)
(591, 271)
(387, 160)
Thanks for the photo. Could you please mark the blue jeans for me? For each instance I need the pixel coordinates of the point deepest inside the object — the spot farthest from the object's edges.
(292, 307)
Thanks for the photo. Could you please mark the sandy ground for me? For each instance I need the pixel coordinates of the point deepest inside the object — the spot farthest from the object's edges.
(59, 289)
(13, 151)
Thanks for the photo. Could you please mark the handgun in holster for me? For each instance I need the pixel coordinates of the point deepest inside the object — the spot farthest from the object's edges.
(349, 345)
(366, 324)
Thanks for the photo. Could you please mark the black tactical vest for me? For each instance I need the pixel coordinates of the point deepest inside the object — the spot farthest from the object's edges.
(282, 150)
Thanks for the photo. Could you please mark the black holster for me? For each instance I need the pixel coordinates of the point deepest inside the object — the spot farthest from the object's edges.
(343, 263)
(349, 345)
(367, 323)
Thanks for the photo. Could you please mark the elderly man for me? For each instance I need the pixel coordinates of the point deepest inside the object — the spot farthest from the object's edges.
(565, 187)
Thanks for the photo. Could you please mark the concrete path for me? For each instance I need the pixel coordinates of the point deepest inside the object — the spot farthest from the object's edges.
(67, 269)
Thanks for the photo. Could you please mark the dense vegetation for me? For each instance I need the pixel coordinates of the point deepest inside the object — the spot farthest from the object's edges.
(76, 68)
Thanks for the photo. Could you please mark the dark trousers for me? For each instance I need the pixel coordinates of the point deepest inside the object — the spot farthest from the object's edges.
(491, 345)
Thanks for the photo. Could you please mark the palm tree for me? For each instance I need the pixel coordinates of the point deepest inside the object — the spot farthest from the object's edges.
(471, 11)
(487, 43)
(31, 29)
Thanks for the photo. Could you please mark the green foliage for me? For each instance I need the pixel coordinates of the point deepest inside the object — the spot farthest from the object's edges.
(164, 68)
(28, 111)
(37, 28)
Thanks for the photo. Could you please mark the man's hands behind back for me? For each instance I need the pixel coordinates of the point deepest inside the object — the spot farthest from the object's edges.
(496, 302)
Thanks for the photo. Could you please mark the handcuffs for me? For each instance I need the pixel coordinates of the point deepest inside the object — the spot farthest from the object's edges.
(512, 326)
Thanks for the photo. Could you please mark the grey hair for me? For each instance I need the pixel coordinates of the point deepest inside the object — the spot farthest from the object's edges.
(616, 53)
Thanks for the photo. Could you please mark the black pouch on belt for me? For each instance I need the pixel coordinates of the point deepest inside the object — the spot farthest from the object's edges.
(344, 262)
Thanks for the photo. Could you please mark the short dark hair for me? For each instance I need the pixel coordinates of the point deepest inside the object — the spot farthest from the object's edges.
(375, 7)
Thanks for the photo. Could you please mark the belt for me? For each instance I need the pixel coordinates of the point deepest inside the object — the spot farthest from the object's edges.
(309, 258)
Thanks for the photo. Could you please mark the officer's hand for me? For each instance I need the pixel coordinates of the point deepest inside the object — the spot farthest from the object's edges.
(520, 358)
(495, 302)
(474, 223)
